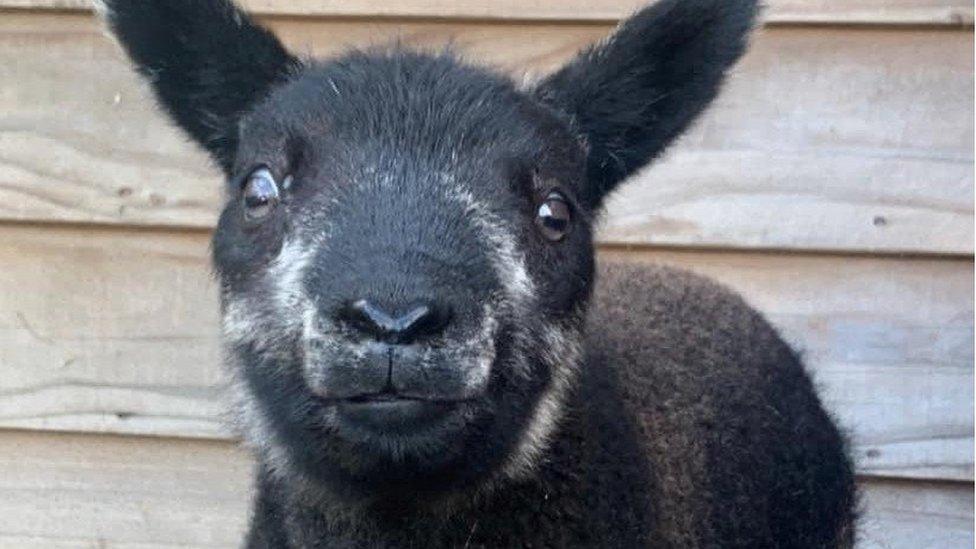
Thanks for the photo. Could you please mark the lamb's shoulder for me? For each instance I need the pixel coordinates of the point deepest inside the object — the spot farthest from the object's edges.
(658, 318)
(726, 411)
(686, 348)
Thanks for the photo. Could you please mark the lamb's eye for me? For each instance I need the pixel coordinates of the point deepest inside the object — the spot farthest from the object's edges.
(553, 217)
(260, 195)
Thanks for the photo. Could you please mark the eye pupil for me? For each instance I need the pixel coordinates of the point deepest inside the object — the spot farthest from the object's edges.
(553, 217)
(260, 195)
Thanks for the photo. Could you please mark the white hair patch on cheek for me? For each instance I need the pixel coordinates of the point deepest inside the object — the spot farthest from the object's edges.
(507, 260)
(269, 318)
(286, 275)
(563, 355)
(476, 354)
(270, 315)
(561, 346)
(477, 377)
(244, 418)
(239, 323)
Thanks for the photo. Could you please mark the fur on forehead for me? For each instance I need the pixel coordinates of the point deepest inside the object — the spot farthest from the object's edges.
(433, 106)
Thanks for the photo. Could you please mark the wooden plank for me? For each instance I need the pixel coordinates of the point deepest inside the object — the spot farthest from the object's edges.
(109, 331)
(826, 162)
(114, 492)
(116, 331)
(913, 514)
(791, 199)
(136, 493)
(887, 12)
(826, 139)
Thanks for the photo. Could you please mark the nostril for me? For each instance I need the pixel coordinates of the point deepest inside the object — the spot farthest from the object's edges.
(421, 320)
(366, 317)
(425, 321)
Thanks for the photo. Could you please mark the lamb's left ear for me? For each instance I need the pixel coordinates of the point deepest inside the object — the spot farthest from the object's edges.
(206, 60)
(630, 96)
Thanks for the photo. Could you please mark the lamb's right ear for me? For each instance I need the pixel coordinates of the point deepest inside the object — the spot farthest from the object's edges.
(206, 60)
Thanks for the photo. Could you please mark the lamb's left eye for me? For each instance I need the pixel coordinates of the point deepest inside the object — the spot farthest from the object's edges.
(554, 216)
(260, 195)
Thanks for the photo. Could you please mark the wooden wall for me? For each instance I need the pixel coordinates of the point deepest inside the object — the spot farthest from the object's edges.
(832, 184)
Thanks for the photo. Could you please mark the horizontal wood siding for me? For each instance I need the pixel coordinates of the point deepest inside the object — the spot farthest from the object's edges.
(109, 492)
(115, 492)
(851, 136)
(831, 184)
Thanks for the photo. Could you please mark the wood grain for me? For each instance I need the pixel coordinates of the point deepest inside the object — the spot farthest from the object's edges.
(115, 492)
(139, 493)
(886, 12)
(912, 514)
(826, 139)
(108, 331)
(113, 330)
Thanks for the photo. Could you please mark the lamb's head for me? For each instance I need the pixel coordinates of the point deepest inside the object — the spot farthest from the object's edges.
(406, 253)
(406, 234)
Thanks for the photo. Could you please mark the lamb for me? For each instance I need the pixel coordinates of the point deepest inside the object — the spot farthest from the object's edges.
(424, 351)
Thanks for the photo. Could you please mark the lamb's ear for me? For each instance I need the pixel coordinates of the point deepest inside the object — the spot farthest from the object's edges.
(206, 61)
(633, 94)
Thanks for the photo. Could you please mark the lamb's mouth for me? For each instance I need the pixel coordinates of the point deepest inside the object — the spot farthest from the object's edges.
(390, 397)
(391, 413)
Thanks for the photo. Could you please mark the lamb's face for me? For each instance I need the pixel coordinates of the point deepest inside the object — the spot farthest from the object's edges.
(406, 254)
(404, 263)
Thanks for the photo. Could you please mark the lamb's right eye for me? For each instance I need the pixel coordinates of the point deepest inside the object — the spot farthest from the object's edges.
(260, 195)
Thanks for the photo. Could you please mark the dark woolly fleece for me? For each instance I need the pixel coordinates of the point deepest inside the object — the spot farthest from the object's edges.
(695, 426)
(692, 424)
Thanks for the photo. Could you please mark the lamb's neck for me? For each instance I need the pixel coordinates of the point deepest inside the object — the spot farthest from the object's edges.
(430, 521)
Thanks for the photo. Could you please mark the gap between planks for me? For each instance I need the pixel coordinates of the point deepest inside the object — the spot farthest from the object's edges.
(919, 12)
(601, 245)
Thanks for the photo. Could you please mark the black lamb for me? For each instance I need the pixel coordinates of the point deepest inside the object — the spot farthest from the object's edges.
(423, 350)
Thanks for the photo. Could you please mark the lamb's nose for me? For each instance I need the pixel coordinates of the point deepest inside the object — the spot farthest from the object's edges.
(419, 321)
